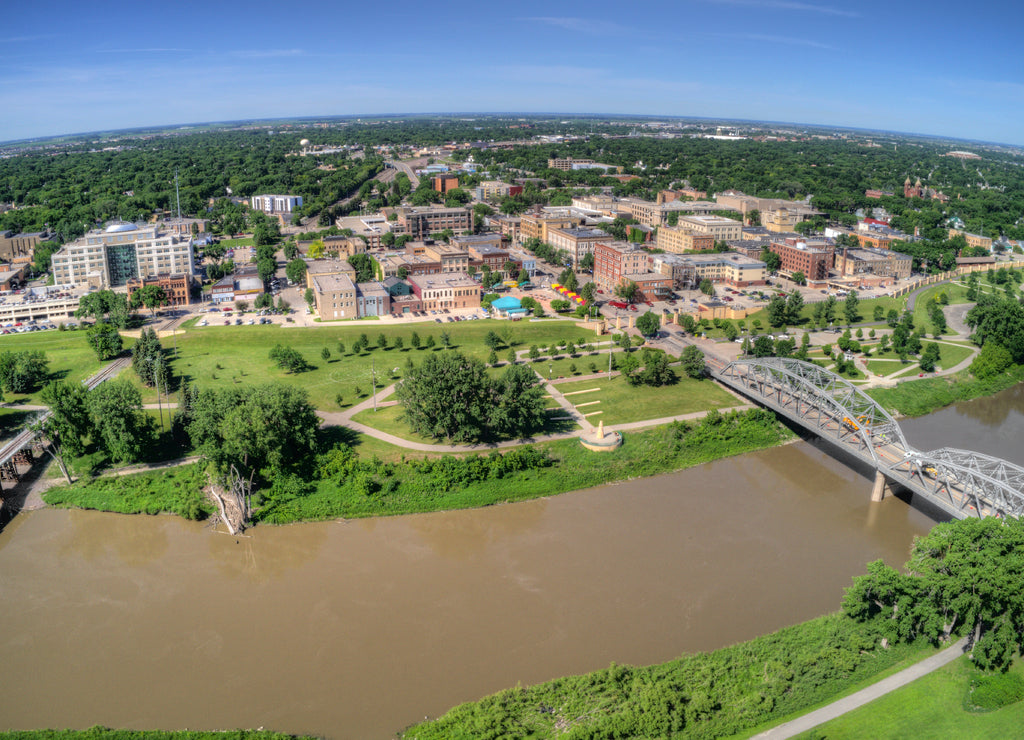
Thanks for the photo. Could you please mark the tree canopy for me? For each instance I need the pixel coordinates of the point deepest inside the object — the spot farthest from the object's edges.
(963, 575)
(451, 396)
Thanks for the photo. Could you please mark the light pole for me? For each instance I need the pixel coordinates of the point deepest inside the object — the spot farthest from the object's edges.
(373, 380)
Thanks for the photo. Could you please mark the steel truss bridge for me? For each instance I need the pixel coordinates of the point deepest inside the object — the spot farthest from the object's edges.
(960, 482)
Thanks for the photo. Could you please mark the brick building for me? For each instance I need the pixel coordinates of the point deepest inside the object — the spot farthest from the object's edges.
(813, 262)
(444, 183)
(420, 223)
(177, 287)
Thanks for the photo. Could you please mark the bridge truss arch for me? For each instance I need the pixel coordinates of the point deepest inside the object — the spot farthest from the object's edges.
(821, 398)
(975, 483)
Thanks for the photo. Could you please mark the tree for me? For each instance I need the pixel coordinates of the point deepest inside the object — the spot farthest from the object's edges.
(879, 313)
(656, 370)
(150, 296)
(382, 341)
(325, 354)
(120, 425)
(961, 577)
(627, 291)
(523, 277)
(446, 340)
(707, 287)
(261, 430)
(430, 341)
(147, 353)
(648, 324)
(104, 305)
(568, 280)
(777, 313)
(414, 341)
(851, 307)
(399, 343)
(447, 396)
(364, 267)
(266, 268)
(763, 347)
(68, 423)
(23, 372)
(295, 271)
(799, 278)
(993, 360)
(309, 296)
(105, 340)
(929, 357)
(288, 359)
(692, 361)
(998, 320)
(772, 261)
(282, 305)
(492, 340)
(794, 304)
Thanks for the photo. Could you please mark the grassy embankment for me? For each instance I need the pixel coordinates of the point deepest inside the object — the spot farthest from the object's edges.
(377, 488)
(735, 690)
(957, 701)
(920, 397)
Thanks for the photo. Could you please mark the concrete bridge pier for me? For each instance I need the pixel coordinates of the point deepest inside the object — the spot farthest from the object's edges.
(881, 488)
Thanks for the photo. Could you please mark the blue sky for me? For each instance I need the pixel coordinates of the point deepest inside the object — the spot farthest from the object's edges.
(941, 68)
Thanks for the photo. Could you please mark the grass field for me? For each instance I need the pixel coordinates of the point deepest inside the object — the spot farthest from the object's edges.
(931, 707)
(232, 243)
(887, 367)
(866, 309)
(956, 293)
(222, 356)
(71, 358)
(621, 403)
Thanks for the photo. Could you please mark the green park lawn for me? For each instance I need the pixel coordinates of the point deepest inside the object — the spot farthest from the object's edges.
(931, 707)
(887, 367)
(70, 356)
(866, 309)
(950, 355)
(955, 293)
(621, 403)
(217, 356)
(232, 243)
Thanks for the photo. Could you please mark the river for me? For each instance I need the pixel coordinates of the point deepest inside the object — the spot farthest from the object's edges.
(357, 629)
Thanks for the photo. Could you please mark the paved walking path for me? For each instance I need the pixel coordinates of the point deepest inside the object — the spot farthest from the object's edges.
(864, 696)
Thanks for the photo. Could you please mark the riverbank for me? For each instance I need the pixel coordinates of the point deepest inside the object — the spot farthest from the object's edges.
(349, 486)
(925, 395)
(105, 733)
(734, 691)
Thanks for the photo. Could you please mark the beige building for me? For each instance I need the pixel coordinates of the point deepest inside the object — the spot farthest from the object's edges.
(446, 291)
(420, 223)
(871, 261)
(678, 268)
(728, 267)
(717, 227)
(577, 242)
(738, 201)
(535, 225)
(328, 268)
(449, 257)
(334, 296)
(780, 220)
(110, 257)
(681, 239)
(973, 240)
(14, 245)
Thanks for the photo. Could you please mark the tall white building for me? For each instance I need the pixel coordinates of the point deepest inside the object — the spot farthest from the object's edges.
(276, 205)
(110, 257)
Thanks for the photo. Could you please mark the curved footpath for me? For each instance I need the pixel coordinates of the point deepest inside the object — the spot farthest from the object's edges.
(865, 696)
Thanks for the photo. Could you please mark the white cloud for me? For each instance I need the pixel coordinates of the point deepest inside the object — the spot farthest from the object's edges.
(789, 5)
(581, 25)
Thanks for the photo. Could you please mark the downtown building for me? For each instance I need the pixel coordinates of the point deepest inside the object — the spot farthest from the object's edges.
(111, 257)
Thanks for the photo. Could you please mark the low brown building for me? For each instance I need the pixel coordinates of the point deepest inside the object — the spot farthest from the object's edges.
(452, 290)
(177, 287)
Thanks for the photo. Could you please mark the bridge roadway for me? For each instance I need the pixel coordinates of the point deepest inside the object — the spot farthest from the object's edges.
(24, 438)
(960, 483)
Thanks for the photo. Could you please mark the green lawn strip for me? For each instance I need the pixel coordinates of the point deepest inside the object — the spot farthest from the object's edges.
(222, 356)
(950, 356)
(70, 357)
(622, 403)
(885, 367)
(232, 243)
(757, 683)
(919, 397)
(933, 706)
(405, 489)
(562, 366)
(103, 733)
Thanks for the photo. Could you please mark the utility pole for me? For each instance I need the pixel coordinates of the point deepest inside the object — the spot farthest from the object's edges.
(373, 380)
(610, 359)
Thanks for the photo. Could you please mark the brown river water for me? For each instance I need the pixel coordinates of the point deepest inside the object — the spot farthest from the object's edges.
(357, 629)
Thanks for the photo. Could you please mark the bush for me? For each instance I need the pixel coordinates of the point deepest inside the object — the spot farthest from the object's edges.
(990, 692)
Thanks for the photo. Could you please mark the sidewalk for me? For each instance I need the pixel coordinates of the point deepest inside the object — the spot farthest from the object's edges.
(864, 696)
